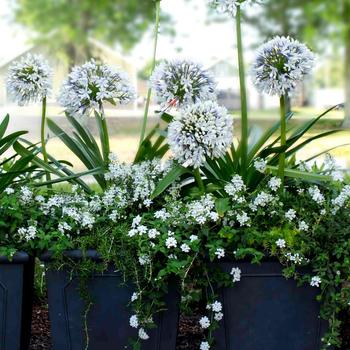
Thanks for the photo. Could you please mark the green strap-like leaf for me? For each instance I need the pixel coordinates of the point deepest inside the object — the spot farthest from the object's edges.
(169, 178)
(300, 174)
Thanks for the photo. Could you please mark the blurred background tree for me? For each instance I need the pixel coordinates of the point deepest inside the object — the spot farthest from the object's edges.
(69, 24)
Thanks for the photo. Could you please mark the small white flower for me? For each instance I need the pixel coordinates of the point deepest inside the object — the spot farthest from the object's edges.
(134, 321)
(236, 274)
(280, 65)
(316, 194)
(260, 165)
(182, 82)
(144, 259)
(204, 345)
(29, 79)
(281, 243)
(171, 242)
(185, 248)
(153, 233)
(290, 214)
(204, 322)
(142, 334)
(203, 130)
(216, 306)
(315, 281)
(9, 190)
(134, 297)
(193, 238)
(303, 226)
(136, 221)
(275, 183)
(218, 316)
(161, 214)
(220, 253)
(243, 219)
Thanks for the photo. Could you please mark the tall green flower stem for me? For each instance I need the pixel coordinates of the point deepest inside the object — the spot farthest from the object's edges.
(42, 136)
(104, 136)
(282, 157)
(198, 178)
(244, 109)
(149, 92)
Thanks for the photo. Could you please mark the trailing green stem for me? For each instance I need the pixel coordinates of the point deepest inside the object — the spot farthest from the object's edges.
(282, 156)
(199, 181)
(243, 91)
(42, 137)
(149, 92)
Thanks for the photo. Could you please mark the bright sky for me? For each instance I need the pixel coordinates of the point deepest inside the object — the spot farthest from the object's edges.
(195, 39)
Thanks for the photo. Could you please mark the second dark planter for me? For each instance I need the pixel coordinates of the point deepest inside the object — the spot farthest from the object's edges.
(108, 319)
(264, 311)
(16, 294)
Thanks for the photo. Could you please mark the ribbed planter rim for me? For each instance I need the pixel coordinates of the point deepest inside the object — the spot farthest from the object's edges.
(18, 258)
(75, 254)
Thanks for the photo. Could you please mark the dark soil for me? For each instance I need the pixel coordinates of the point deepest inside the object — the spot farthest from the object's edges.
(189, 337)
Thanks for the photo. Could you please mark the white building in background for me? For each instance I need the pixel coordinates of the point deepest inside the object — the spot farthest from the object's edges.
(61, 68)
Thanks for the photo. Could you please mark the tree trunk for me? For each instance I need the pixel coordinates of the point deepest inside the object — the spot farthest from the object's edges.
(346, 122)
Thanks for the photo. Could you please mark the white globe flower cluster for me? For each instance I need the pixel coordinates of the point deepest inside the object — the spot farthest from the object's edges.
(181, 83)
(90, 85)
(280, 65)
(230, 6)
(29, 79)
(202, 130)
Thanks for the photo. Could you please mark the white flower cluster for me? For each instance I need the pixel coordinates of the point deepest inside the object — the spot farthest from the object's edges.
(27, 233)
(236, 274)
(133, 183)
(216, 308)
(72, 209)
(200, 131)
(280, 65)
(29, 79)
(235, 188)
(134, 323)
(204, 345)
(230, 6)
(181, 83)
(342, 198)
(202, 210)
(90, 85)
(315, 281)
(26, 195)
(316, 195)
(275, 183)
(261, 200)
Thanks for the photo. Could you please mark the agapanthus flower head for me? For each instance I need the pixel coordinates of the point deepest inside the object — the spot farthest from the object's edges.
(200, 131)
(230, 6)
(90, 85)
(182, 82)
(280, 65)
(29, 79)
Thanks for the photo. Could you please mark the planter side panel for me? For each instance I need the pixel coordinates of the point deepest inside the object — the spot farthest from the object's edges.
(16, 287)
(266, 311)
(108, 319)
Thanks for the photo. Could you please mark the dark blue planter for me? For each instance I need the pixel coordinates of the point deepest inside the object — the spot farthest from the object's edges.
(264, 311)
(16, 297)
(108, 318)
